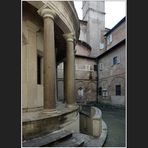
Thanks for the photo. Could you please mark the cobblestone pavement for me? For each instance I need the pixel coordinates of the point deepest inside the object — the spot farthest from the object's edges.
(115, 120)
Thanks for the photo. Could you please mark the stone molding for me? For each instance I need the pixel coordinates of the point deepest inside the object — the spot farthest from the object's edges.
(63, 14)
(69, 37)
(45, 11)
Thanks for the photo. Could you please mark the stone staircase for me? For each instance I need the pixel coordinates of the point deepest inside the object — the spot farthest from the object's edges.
(59, 138)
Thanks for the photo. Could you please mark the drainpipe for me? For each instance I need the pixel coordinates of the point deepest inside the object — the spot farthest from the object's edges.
(97, 61)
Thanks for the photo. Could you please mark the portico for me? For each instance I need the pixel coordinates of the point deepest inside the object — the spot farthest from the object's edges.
(49, 76)
(54, 36)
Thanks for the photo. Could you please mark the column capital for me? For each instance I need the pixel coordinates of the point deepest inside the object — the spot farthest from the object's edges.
(45, 11)
(69, 37)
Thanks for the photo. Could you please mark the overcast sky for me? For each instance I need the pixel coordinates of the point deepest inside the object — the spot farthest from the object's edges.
(115, 10)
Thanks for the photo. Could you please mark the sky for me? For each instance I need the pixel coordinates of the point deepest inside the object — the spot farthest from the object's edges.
(115, 10)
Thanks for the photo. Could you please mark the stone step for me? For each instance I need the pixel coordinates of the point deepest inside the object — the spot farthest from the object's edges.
(48, 139)
(71, 142)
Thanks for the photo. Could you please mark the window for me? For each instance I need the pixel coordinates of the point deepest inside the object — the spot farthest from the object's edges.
(104, 93)
(118, 90)
(109, 39)
(83, 67)
(60, 66)
(39, 58)
(80, 92)
(100, 91)
(101, 45)
(101, 66)
(87, 67)
(115, 60)
(91, 67)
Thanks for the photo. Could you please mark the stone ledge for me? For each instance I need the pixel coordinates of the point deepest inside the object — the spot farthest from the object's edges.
(39, 115)
(100, 140)
(47, 139)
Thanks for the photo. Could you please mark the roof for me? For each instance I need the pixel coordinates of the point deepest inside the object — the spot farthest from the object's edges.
(111, 49)
(86, 57)
(107, 29)
(84, 44)
(82, 21)
(118, 24)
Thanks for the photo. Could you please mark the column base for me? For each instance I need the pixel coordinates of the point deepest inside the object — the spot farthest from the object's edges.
(50, 111)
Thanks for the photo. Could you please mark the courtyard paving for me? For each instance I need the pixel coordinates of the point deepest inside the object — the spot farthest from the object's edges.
(115, 120)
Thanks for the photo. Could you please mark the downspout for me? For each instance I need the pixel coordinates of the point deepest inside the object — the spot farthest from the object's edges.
(97, 61)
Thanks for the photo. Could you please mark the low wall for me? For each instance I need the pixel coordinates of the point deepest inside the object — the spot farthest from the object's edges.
(118, 100)
(45, 123)
(91, 122)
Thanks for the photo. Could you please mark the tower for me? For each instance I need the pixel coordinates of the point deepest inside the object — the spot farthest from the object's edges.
(94, 14)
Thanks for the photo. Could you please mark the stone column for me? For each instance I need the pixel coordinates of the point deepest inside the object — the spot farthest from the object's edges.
(49, 59)
(69, 70)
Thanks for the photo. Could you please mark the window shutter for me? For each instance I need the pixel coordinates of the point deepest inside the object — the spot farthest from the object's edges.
(101, 66)
(118, 60)
(110, 38)
(101, 45)
(104, 93)
(112, 62)
(87, 67)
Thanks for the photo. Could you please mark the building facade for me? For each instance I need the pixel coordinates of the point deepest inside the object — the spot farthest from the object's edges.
(112, 66)
(85, 75)
(92, 29)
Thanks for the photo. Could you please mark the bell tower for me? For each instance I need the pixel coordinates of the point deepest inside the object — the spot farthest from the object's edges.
(94, 14)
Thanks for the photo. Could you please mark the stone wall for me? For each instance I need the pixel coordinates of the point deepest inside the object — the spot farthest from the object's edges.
(94, 14)
(83, 30)
(82, 50)
(32, 94)
(117, 35)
